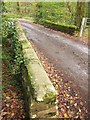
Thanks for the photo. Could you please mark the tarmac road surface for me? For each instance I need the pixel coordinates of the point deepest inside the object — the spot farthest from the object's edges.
(69, 57)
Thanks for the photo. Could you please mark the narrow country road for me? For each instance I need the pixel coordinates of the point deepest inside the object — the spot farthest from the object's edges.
(69, 57)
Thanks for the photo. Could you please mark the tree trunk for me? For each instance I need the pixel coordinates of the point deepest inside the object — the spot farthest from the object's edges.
(18, 7)
(80, 13)
(88, 9)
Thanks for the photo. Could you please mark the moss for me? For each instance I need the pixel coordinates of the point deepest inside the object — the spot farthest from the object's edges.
(25, 45)
(49, 97)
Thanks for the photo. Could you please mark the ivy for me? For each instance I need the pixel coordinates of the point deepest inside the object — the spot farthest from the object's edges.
(11, 44)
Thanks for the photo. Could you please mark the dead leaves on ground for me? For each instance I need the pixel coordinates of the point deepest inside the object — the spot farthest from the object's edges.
(12, 102)
(69, 103)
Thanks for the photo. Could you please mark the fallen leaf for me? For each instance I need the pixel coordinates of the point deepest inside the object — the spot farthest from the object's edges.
(65, 115)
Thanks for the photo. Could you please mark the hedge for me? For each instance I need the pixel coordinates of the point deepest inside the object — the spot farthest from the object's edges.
(70, 29)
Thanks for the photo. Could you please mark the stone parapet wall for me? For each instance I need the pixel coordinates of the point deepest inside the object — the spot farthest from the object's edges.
(39, 91)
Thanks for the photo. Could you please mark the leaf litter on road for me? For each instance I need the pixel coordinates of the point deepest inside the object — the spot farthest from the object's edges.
(70, 104)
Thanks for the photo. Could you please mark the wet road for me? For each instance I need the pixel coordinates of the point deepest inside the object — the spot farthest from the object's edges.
(69, 57)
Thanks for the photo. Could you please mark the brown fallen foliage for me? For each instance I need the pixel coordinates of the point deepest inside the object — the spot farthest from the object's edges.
(69, 102)
(12, 97)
